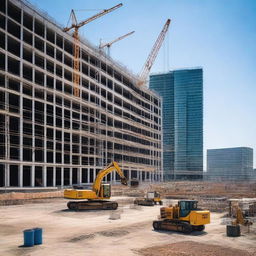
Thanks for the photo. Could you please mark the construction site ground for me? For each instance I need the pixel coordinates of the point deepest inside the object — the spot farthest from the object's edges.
(74, 233)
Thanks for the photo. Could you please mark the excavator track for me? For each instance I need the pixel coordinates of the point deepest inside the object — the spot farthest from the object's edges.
(173, 225)
(92, 205)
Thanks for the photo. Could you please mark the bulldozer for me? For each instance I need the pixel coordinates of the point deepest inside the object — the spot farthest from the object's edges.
(151, 198)
(95, 197)
(184, 217)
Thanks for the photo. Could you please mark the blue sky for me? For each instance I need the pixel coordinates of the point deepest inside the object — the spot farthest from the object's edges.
(218, 35)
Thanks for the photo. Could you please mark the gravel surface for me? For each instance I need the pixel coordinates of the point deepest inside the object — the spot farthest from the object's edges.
(189, 248)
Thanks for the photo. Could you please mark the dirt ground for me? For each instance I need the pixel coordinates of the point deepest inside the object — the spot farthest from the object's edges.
(68, 232)
(189, 248)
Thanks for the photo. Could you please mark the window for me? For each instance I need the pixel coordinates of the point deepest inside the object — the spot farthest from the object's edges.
(13, 66)
(50, 50)
(27, 55)
(39, 28)
(50, 35)
(13, 46)
(39, 61)
(14, 12)
(27, 72)
(28, 21)
(27, 37)
(39, 44)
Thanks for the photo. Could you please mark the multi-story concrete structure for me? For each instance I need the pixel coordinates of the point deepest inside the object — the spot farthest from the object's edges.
(229, 163)
(182, 97)
(48, 137)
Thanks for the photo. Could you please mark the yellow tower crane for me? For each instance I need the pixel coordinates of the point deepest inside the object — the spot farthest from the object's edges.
(153, 54)
(108, 45)
(75, 25)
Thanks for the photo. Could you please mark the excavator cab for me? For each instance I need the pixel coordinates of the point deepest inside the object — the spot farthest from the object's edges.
(105, 190)
(186, 206)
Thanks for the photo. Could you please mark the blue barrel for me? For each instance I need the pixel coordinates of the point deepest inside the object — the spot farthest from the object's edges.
(38, 237)
(28, 237)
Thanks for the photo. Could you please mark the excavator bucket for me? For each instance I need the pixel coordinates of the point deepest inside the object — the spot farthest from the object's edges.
(124, 181)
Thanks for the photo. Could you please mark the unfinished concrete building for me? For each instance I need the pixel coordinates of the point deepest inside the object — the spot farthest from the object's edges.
(48, 137)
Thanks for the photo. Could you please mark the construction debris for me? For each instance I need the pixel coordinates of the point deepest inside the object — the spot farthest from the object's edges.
(115, 215)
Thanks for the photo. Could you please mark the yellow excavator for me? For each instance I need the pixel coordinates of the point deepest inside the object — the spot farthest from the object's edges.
(96, 198)
(184, 217)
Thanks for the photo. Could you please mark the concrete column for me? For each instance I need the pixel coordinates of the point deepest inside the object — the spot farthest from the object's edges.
(20, 174)
(129, 173)
(33, 130)
(7, 175)
(62, 177)
(54, 177)
(94, 174)
(44, 176)
(79, 174)
(32, 182)
(152, 177)
(88, 175)
(21, 108)
(70, 176)
(21, 130)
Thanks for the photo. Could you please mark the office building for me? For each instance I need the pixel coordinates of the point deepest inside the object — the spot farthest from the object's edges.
(182, 97)
(230, 163)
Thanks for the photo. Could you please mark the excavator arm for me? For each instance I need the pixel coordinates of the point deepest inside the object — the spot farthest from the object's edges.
(110, 168)
(240, 219)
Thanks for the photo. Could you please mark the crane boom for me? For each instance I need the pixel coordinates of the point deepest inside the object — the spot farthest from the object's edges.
(153, 54)
(94, 17)
(117, 39)
(76, 26)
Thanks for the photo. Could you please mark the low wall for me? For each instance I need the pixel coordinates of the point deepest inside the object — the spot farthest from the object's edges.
(30, 195)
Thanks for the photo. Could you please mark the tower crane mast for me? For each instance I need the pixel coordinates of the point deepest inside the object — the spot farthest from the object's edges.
(75, 25)
(153, 54)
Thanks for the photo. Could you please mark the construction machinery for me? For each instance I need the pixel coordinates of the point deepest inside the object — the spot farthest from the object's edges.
(153, 54)
(233, 230)
(134, 183)
(75, 25)
(151, 198)
(95, 197)
(240, 219)
(184, 217)
(108, 45)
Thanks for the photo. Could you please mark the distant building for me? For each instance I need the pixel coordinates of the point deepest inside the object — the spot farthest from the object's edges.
(253, 174)
(230, 163)
(182, 97)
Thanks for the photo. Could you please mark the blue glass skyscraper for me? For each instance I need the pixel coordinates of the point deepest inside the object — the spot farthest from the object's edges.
(182, 97)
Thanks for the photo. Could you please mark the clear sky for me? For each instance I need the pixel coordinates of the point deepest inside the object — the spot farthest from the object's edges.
(218, 35)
